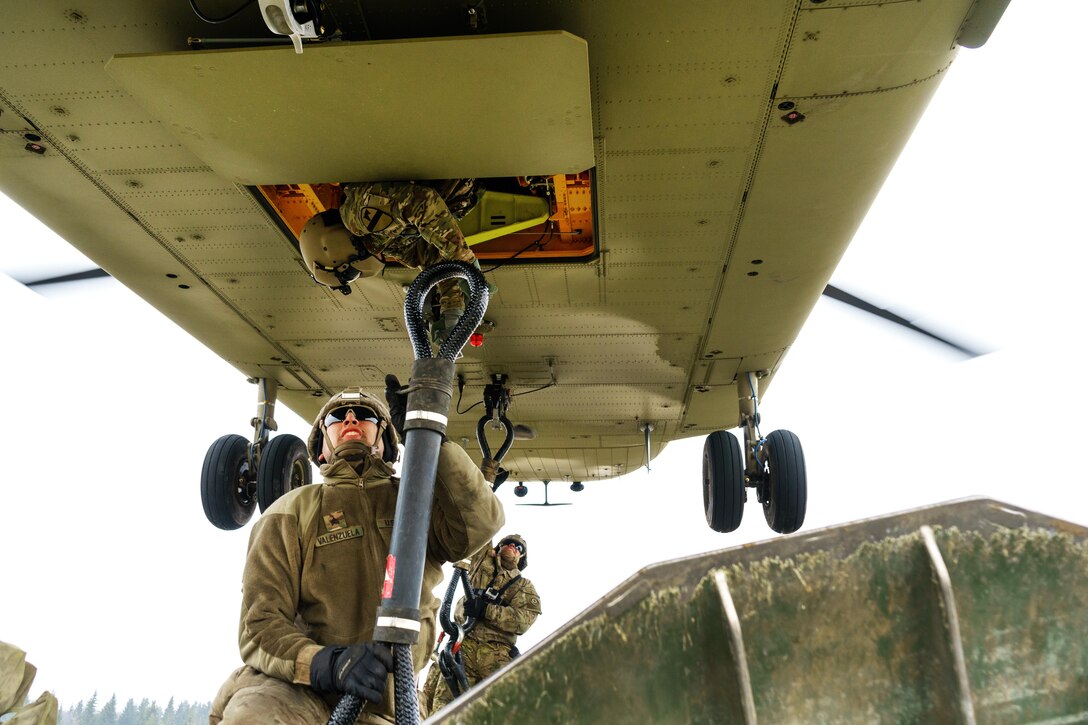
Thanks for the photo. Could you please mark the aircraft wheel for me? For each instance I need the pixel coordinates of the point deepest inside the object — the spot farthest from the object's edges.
(284, 466)
(723, 481)
(226, 487)
(786, 494)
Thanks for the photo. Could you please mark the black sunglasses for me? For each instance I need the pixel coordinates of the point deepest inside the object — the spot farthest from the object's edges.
(338, 415)
(516, 545)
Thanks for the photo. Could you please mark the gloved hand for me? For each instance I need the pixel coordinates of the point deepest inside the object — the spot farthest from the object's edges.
(475, 608)
(398, 403)
(359, 670)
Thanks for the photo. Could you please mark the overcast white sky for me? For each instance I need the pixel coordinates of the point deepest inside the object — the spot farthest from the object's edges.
(115, 582)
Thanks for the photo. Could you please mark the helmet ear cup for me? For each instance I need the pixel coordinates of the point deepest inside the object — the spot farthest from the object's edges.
(389, 455)
(316, 454)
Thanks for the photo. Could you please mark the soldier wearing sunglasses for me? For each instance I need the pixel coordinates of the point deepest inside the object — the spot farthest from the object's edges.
(504, 606)
(316, 565)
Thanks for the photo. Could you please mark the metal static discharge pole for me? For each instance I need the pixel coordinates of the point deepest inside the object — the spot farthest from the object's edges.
(425, 425)
(398, 621)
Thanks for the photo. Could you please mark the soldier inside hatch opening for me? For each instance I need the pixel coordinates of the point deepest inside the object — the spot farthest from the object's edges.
(415, 223)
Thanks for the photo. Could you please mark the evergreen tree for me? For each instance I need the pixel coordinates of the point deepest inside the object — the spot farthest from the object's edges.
(149, 712)
(108, 714)
(198, 712)
(146, 713)
(129, 716)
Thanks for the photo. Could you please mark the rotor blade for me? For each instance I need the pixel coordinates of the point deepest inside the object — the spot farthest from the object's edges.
(546, 504)
(837, 294)
(74, 277)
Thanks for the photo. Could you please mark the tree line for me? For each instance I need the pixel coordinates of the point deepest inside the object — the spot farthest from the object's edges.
(147, 712)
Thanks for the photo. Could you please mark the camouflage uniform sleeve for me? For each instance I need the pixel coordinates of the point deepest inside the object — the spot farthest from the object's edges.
(466, 512)
(424, 209)
(519, 616)
(267, 636)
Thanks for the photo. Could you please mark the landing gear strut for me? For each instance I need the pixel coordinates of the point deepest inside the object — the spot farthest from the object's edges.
(238, 476)
(774, 466)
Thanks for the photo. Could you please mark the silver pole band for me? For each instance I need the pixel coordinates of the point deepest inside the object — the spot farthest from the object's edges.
(398, 623)
(427, 415)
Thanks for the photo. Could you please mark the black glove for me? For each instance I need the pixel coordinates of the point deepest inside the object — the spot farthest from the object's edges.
(475, 608)
(398, 403)
(359, 670)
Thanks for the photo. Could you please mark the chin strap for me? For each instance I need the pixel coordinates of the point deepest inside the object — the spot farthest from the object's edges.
(352, 451)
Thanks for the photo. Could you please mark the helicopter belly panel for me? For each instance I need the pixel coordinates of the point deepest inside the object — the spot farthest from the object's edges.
(404, 109)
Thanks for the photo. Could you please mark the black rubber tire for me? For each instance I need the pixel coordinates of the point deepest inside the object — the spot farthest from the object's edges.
(285, 465)
(786, 495)
(223, 485)
(723, 481)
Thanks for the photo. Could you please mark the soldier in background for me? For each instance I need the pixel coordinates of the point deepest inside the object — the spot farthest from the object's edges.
(505, 605)
(415, 223)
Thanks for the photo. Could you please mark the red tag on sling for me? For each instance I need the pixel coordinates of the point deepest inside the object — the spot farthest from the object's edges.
(390, 572)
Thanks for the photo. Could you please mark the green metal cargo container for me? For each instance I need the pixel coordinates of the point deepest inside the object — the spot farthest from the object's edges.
(973, 611)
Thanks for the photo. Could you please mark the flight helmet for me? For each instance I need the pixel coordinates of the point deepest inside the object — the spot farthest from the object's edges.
(353, 450)
(516, 539)
(333, 255)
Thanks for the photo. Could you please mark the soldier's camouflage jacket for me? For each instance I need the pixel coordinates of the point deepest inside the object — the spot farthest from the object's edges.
(520, 606)
(413, 223)
(408, 221)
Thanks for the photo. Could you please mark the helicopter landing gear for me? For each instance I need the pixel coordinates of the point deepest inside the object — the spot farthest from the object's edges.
(773, 465)
(237, 476)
